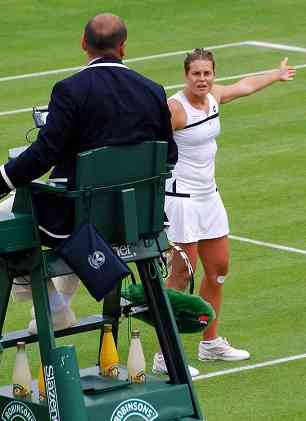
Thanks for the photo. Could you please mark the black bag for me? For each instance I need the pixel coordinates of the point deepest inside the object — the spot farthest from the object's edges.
(93, 260)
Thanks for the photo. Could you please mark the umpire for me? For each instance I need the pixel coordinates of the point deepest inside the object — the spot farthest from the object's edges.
(106, 103)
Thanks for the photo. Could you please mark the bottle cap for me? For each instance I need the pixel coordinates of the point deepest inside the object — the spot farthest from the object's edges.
(108, 327)
(135, 333)
(21, 345)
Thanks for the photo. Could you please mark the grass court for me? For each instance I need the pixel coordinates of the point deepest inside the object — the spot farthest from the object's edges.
(260, 173)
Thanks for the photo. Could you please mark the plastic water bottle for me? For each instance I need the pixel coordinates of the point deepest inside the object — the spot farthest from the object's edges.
(136, 364)
(22, 379)
(109, 358)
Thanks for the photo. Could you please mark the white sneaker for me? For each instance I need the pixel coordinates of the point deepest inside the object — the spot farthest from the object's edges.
(62, 319)
(159, 366)
(220, 349)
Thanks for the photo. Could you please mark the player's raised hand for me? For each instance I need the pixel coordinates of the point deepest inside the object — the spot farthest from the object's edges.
(286, 72)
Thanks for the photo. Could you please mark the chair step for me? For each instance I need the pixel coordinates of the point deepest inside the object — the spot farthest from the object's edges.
(86, 324)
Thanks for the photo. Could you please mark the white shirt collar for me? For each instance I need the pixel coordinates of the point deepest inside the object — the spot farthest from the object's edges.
(93, 60)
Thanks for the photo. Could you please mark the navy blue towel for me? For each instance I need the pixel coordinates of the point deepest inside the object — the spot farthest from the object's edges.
(93, 260)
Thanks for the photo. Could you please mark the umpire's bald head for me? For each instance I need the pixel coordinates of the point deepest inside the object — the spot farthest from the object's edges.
(104, 34)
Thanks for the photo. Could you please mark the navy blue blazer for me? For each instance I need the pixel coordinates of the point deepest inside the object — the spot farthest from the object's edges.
(106, 103)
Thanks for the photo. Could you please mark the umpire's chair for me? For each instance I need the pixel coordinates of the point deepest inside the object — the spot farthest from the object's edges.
(121, 191)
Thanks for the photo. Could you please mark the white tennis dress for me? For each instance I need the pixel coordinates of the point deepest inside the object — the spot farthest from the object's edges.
(193, 206)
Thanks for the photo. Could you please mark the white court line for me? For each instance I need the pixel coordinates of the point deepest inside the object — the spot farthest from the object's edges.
(167, 88)
(20, 110)
(249, 367)
(277, 46)
(269, 245)
(261, 44)
(131, 60)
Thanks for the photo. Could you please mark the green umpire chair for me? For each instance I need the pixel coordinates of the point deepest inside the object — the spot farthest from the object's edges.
(120, 190)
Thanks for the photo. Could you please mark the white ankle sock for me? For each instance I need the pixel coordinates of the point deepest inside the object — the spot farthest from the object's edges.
(211, 341)
(67, 298)
(57, 302)
(56, 299)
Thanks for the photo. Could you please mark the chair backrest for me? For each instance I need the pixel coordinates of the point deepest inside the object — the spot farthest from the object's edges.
(123, 189)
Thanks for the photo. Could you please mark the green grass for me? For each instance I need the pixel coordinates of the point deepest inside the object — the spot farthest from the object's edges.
(255, 395)
(260, 173)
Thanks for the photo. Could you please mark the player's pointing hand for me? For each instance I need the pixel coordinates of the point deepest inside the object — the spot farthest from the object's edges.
(286, 72)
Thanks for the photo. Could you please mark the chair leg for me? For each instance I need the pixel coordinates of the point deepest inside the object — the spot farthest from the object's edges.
(165, 326)
(64, 391)
(63, 385)
(42, 312)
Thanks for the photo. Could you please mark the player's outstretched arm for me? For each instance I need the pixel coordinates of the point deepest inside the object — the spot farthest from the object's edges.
(252, 84)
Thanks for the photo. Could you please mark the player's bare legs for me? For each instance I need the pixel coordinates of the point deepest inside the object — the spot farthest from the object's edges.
(214, 255)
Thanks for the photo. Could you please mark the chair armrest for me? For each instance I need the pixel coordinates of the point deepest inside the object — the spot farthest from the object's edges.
(54, 188)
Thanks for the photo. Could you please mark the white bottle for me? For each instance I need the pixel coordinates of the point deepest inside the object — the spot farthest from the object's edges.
(136, 364)
(22, 379)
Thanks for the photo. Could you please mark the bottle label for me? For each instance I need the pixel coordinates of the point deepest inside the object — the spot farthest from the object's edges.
(21, 392)
(110, 371)
(138, 378)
